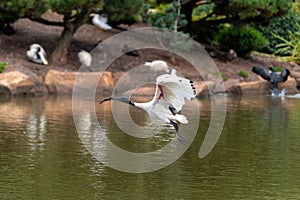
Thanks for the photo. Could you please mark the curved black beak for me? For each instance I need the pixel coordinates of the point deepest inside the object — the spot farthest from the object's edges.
(106, 99)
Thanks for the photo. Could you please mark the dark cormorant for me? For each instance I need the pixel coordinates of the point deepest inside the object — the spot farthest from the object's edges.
(272, 77)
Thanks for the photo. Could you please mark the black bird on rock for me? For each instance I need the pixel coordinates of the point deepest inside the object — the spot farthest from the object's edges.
(272, 77)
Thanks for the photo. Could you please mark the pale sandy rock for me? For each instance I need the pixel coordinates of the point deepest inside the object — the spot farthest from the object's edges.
(204, 88)
(247, 88)
(59, 82)
(262, 87)
(290, 85)
(296, 75)
(16, 83)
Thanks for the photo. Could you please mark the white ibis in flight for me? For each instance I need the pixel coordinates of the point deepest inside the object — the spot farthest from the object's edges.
(170, 94)
(272, 77)
(160, 65)
(37, 54)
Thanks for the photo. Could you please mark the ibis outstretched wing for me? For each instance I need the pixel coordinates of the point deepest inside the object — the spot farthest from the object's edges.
(174, 90)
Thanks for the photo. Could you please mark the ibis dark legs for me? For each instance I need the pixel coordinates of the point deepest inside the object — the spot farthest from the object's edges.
(179, 137)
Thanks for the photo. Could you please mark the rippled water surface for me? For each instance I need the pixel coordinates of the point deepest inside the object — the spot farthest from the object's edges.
(255, 157)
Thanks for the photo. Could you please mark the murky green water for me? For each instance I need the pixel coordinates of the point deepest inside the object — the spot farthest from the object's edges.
(256, 156)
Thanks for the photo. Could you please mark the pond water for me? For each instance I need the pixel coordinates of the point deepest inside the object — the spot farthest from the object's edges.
(255, 157)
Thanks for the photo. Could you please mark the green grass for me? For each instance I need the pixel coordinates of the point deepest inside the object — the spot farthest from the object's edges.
(220, 74)
(277, 69)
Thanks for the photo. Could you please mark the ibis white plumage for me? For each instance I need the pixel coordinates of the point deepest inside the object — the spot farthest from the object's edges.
(85, 58)
(160, 65)
(170, 94)
(37, 54)
(100, 21)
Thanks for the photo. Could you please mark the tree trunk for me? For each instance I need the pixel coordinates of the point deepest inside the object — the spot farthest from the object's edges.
(59, 55)
(187, 10)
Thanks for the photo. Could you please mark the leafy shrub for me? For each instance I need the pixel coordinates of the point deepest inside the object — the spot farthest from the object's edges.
(11, 10)
(125, 11)
(165, 16)
(278, 26)
(206, 34)
(277, 69)
(243, 74)
(221, 75)
(290, 47)
(2, 66)
(243, 39)
(296, 7)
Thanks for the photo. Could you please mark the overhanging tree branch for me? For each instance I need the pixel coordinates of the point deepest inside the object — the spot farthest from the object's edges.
(44, 21)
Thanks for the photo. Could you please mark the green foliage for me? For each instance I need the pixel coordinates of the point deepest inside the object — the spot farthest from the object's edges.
(296, 7)
(243, 74)
(72, 7)
(280, 27)
(207, 34)
(242, 39)
(12, 10)
(221, 75)
(277, 69)
(166, 16)
(178, 40)
(259, 8)
(236, 11)
(291, 46)
(126, 11)
(202, 11)
(2, 66)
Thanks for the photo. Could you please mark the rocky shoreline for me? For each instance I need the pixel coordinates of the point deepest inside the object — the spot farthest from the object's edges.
(23, 83)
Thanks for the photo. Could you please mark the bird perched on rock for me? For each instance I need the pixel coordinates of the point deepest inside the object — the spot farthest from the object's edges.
(85, 58)
(37, 54)
(272, 77)
(100, 21)
(160, 65)
(169, 98)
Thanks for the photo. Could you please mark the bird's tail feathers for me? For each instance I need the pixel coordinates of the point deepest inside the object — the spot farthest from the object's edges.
(180, 118)
(148, 63)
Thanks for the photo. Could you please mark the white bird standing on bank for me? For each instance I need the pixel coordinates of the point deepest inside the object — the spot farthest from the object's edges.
(170, 94)
(160, 65)
(85, 58)
(100, 21)
(37, 54)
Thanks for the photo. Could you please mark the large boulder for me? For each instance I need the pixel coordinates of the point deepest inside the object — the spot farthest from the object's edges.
(62, 83)
(290, 85)
(204, 88)
(296, 75)
(261, 87)
(17, 83)
(248, 88)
